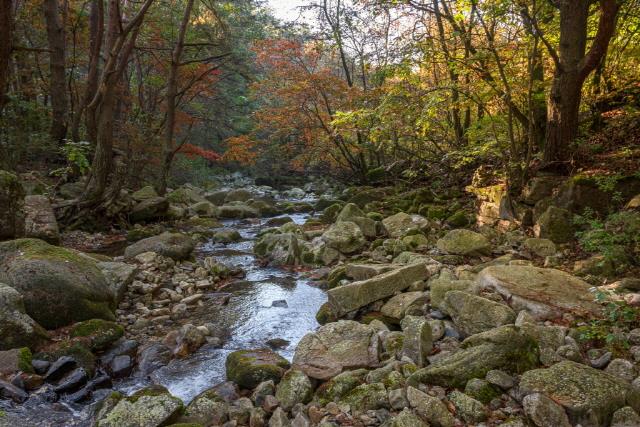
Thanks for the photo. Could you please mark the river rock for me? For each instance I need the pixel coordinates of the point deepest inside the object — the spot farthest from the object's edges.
(539, 247)
(15, 360)
(208, 408)
(506, 348)
(430, 408)
(418, 339)
(351, 212)
(172, 245)
(544, 292)
(226, 235)
(401, 223)
(185, 196)
(248, 368)
(544, 412)
(280, 249)
(12, 202)
(336, 347)
(367, 397)
(295, 387)
(366, 271)
(150, 209)
(99, 333)
(588, 395)
(346, 298)
(60, 286)
(152, 357)
(119, 276)
(150, 407)
(473, 314)
(406, 418)
(625, 417)
(145, 193)
(40, 220)
(10, 391)
(238, 211)
(443, 284)
(397, 306)
(464, 242)
(556, 224)
(345, 237)
(17, 329)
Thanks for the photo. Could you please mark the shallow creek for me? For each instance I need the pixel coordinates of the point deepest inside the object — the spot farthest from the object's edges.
(249, 317)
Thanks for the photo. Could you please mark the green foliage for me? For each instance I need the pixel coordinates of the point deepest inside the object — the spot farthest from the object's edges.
(621, 229)
(76, 155)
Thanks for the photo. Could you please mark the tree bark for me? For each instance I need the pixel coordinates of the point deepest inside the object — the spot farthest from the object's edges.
(57, 67)
(572, 69)
(168, 147)
(6, 35)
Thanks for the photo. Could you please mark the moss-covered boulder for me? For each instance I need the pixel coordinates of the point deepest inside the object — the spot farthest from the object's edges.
(468, 408)
(279, 249)
(338, 387)
(473, 314)
(17, 329)
(15, 360)
(172, 245)
(204, 209)
(556, 224)
(40, 220)
(12, 202)
(99, 333)
(151, 209)
(185, 196)
(248, 368)
(238, 195)
(459, 219)
(147, 192)
(406, 418)
(367, 397)
(227, 235)
(295, 387)
(60, 286)
(443, 284)
(464, 242)
(351, 212)
(401, 223)
(150, 407)
(482, 390)
(238, 211)
(506, 348)
(539, 247)
(345, 237)
(588, 395)
(330, 213)
(208, 408)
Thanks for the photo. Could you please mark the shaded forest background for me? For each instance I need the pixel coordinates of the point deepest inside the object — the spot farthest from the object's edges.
(119, 94)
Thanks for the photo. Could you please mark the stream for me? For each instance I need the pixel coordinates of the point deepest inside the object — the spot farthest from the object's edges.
(249, 316)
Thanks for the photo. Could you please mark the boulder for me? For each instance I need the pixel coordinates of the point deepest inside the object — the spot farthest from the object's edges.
(539, 247)
(119, 276)
(418, 339)
(589, 396)
(544, 412)
(473, 314)
(99, 333)
(397, 306)
(60, 286)
(172, 245)
(279, 249)
(506, 348)
(346, 298)
(40, 220)
(401, 223)
(366, 271)
(226, 235)
(345, 237)
(145, 193)
(367, 397)
(336, 347)
(204, 209)
(544, 292)
(208, 408)
(150, 209)
(351, 212)
(12, 202)
(406, 418)
(216, 197)
(464, 242)
(540, 187)
(430, 408)
(295, 387)
(556, 224)
(150, 407)
(468, 408)
(185, 196)
(443, 284)
(248, 368)
(625, 417)
(17, 329)
(15, 360)
(237, 195)
(237, 211)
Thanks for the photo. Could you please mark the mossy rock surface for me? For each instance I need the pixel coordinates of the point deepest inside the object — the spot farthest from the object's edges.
(173, 245)
(151, 407)
(465, 242)
(338, 386)
(367, 397)
(295, 387)
(101, 333)
(248, 368)
(77, 350)
(17, 329)
(60, 286)
(12, 203)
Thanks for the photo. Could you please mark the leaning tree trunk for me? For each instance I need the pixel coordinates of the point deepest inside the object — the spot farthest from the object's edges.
(572, 69)
(57, 67)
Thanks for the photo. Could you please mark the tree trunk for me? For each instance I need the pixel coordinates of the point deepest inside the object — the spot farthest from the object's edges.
(572, 68)
(57, 67)
(6, 35)
(168, 150)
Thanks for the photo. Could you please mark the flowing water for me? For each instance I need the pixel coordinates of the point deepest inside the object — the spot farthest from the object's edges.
(249, 317)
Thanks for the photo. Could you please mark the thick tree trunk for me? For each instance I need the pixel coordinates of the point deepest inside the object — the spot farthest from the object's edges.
(168, 147)
(572, 68)
(6, 36)
(57, 68)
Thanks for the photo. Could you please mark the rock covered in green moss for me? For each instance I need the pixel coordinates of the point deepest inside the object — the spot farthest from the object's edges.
(539, 247)
(12, 202)
(473, 314)
(15, 360)
(279, 249)
(150, 407)
(248, 368)
(295, 387)
(430, 408)
(556, 224)
(60, 286)
(367, 397)
(338, 386)
(208, 408)
(172, 245)
(588, 395)
(17, 329)
(100, 333)
(417, 340)
(481, 390)
(507, 348)
(464, 242)
(400, 224)
(468, 408)
(345, 237)
(150, 209)
(445, 283)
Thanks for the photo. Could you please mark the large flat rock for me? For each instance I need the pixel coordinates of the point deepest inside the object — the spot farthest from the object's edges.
(545, 293)
(344, 299)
